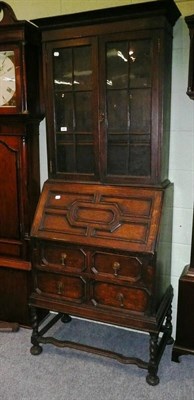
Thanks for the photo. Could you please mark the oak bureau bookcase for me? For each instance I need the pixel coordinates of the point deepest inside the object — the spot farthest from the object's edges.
(101, 236)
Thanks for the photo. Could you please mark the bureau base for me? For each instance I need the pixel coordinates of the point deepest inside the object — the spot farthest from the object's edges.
(159, 338)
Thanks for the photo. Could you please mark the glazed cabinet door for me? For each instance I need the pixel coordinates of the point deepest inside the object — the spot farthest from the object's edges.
(72, 122)
(128, 88)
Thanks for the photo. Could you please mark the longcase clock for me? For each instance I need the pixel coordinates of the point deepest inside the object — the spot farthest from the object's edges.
(20, 114)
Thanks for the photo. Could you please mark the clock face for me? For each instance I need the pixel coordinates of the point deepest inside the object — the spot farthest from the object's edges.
(7, 79)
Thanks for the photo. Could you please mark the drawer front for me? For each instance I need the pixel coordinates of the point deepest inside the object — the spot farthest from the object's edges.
(120, 297)
(63, 257)
(119, 266)
(67, 287)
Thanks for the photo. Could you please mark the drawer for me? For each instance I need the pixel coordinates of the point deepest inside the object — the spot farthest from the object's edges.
(119, 296)
(67, 258)
(114, 265)
(70, 288)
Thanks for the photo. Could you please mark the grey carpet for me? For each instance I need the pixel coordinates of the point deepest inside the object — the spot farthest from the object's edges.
(66, 374)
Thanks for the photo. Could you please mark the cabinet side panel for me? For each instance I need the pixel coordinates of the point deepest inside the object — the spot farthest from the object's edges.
(166, 71)
(163, 253)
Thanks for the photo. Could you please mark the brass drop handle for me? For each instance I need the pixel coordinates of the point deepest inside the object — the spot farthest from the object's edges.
(60, 287)
(116, 267)
(120, 298)
(63, 259)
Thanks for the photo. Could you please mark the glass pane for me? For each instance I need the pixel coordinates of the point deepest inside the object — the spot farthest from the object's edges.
(128, 91)
(63, 112)
(140, 110)
(140, 63)
(117, 159)
(7, 78)
(73, 84)
(139, 160)
(117, 65)
(125, 159)
(83, 111)
(85, 158)
(65, 138)
(82, 68)
(65, 158)
(118, 110)
(62, 65)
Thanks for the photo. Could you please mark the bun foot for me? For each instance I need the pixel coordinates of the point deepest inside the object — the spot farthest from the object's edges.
(36, 350)
(152, 380)
(66, 318)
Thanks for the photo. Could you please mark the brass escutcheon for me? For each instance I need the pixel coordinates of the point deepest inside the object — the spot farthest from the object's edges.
(63, 259)
(60, 287)
(120, 298)
(116, 267)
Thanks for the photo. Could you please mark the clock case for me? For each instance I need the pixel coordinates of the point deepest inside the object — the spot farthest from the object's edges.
(19, 167)
(23, 37)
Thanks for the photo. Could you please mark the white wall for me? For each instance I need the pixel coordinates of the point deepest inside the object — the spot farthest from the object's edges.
(182, 120)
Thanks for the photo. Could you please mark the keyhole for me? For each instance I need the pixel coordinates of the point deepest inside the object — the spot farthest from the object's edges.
(120, 297)
(59, 287)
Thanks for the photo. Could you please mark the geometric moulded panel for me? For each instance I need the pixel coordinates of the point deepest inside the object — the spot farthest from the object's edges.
(122, 217)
